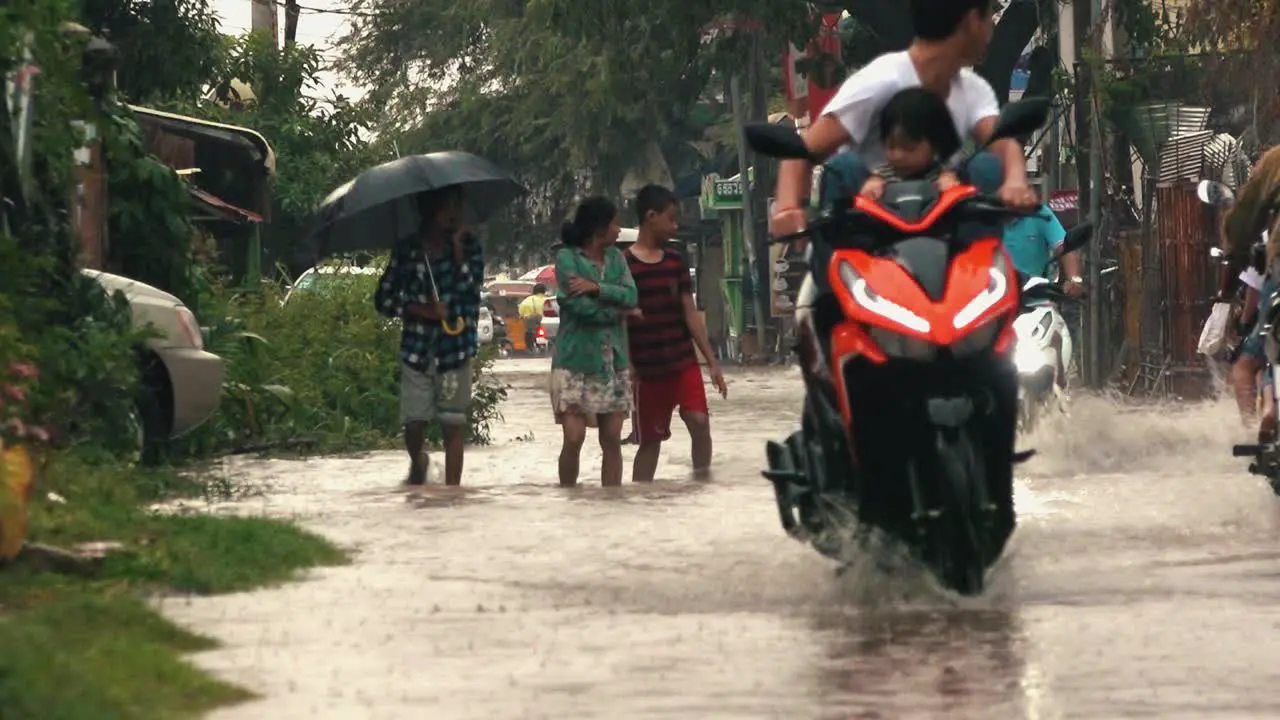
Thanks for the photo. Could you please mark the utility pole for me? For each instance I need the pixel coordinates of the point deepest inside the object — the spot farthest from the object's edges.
(263, 19)
(1095, 200)
(291, 12)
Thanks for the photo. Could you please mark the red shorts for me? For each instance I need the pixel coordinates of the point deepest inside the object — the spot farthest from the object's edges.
(657, 399)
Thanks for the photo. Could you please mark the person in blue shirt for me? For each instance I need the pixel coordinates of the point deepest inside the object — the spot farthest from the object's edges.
(1031, 242)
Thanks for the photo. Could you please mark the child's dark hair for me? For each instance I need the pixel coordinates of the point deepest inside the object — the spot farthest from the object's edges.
(593, 215)
(921, 115)
(653, 198)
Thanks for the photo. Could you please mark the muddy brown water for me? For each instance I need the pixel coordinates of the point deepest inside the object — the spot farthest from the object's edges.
(1142, 583)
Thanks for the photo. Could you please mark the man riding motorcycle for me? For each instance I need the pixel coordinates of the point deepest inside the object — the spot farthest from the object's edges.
(1254, 216)
(949, 39)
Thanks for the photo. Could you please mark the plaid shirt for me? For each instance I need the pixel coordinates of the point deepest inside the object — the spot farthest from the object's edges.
(405, 281)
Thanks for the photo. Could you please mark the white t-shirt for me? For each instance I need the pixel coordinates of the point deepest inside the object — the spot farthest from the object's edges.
(858, 102)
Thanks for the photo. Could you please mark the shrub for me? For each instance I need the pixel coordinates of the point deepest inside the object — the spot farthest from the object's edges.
(322, 369)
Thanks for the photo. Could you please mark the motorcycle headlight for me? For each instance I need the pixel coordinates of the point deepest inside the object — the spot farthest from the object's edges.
(997, 288)
(870, 300)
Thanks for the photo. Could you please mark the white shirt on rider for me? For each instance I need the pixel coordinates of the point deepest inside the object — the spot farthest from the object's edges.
(858, 102)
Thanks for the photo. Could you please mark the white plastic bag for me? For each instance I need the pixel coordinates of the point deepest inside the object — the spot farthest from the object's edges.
(1214, 335)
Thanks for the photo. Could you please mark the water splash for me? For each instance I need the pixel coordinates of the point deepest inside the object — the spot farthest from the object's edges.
(1108, 434)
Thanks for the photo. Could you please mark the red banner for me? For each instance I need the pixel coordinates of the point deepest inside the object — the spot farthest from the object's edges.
(824, 65)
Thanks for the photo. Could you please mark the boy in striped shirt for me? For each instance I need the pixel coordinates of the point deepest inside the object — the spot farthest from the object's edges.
(662, 339)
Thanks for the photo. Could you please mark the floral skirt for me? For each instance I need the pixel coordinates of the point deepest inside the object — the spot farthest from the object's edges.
(590, 395)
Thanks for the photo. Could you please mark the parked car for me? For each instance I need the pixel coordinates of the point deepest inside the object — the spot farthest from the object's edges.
(323, 278)
(319, 279)
(181, 382)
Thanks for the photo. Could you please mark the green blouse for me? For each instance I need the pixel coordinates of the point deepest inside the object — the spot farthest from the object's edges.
(592, 338)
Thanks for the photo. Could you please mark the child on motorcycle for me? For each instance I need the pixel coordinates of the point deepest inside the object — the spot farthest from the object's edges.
(918, 138)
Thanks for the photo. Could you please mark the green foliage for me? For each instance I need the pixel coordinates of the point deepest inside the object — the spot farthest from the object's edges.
(168, 49)
(318, 142)
(61, 322)
(571, 96)
(322, 368)
(1244, 34)
(148, 220)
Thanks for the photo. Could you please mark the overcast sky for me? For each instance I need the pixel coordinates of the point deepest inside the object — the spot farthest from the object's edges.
(320, 29)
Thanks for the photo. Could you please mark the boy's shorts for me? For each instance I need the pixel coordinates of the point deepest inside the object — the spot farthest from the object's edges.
(434, 396)
(656, 400)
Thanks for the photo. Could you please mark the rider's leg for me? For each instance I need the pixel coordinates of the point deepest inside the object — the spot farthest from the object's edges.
(1267, 428)
(1244, 376)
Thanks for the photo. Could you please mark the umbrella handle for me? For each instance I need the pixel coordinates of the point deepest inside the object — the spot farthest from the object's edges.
(459, 324)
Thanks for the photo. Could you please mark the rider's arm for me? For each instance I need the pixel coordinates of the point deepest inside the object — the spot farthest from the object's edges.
(986, 109)
(795, 177)
(848, 118)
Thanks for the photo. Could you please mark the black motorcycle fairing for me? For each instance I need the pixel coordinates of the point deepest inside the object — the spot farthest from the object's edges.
(910, 200)
(892, 428)
(927, 260)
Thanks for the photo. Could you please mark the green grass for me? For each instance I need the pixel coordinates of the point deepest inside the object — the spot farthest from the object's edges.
(75, 647)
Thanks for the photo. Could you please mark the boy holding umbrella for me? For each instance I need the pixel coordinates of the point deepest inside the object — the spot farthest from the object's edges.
(433, 285)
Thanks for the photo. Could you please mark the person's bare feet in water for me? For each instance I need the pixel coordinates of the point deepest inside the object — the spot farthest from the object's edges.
(418, 471)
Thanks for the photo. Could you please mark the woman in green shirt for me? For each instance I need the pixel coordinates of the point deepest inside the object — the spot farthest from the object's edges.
(590, 382)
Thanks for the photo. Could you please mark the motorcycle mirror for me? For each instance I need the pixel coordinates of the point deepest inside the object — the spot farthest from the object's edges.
(777, 141)
(1021, 118)
(1077, 237)
(1214, 193)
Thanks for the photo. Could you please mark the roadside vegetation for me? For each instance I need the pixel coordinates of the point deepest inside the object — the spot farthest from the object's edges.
(79, 638)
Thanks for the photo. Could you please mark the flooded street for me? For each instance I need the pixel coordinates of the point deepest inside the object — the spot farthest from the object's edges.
(1142, 582)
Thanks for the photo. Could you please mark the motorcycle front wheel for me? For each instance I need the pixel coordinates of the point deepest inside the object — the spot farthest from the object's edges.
(956, 548)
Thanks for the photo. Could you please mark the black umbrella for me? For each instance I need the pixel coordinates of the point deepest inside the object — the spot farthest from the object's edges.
(379, 207)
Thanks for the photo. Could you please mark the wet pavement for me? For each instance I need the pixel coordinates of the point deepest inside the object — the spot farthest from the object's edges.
(1142, 583)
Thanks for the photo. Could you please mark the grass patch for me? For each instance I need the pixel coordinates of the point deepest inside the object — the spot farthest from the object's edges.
(91, 647)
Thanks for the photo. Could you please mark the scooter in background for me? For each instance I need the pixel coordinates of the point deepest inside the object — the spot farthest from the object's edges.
(1042, 341)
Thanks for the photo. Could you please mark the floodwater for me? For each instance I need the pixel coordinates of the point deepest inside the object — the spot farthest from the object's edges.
(1142, 583)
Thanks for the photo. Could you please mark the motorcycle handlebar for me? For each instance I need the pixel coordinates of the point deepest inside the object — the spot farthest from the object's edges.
(977, 204)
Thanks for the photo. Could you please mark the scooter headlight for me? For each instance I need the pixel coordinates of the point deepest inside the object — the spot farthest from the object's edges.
(1028, 358)
(870, 300)
(997, 288)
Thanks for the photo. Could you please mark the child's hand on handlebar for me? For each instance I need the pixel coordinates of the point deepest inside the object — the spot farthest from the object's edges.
(947, 180)
(873, 188)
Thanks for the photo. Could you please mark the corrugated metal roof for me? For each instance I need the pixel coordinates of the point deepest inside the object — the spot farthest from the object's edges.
(1183, 156)
(221, 208)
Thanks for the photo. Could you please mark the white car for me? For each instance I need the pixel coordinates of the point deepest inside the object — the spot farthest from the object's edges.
(181, 381)
(318, 278)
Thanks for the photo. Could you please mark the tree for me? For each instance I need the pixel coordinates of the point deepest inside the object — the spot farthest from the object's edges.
(319, 143)
(168, 48)
(568, 94)
(1245, 35)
